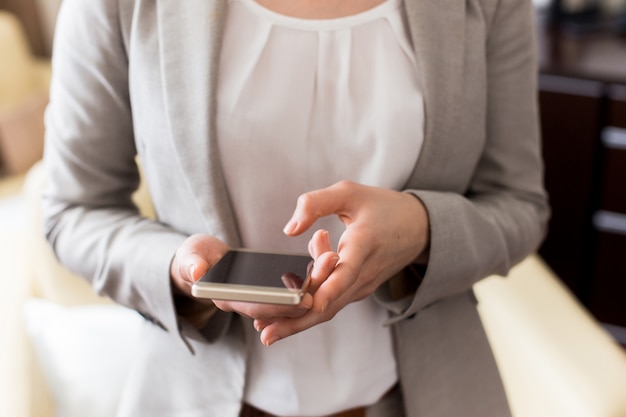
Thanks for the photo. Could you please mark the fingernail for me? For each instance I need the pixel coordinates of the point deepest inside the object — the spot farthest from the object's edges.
(327, 237)
(192, 270)
(257, 327)
(267, 338)
(271, 341)
(290, 227)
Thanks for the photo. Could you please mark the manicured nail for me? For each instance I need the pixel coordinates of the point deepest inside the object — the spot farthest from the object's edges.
(271, 341)
(268, 340)
(290, 227)
(192, 270)
(326, 237)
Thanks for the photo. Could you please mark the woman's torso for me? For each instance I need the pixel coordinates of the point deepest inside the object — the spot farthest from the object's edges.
(303, 104)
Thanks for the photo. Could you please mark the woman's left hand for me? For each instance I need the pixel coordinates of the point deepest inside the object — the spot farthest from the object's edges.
(385, 231)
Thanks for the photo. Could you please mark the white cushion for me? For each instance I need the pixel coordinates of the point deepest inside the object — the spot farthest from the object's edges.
(85, 353)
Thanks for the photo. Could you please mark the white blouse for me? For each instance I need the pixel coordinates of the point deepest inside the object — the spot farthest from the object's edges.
(303, 104)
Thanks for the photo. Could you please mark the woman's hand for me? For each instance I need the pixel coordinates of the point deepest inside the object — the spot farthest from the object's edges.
(385, 231)
(322, 268)
(193, 259)
(199, 253)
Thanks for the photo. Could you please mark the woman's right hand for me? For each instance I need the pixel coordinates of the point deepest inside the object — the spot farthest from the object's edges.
(263, 314)
(193, 259)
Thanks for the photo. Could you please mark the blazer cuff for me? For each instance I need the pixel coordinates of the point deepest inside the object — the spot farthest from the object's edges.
(211, 322)
(398, 293)
(155, 284)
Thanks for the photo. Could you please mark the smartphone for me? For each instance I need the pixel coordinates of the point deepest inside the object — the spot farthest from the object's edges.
(258, 277)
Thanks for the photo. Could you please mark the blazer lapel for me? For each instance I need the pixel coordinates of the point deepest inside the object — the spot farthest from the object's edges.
(190, 37)
(437, 30)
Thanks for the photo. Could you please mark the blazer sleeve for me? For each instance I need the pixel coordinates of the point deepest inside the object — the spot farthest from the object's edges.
(90, 221)
(502, 217)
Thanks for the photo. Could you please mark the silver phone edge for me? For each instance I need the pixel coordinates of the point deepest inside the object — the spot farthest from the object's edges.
(246, 293)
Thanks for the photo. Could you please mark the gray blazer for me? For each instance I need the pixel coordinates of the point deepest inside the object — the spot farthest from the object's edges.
(137, 77)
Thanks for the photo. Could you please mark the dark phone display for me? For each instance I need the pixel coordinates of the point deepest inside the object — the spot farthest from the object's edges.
(260, 269)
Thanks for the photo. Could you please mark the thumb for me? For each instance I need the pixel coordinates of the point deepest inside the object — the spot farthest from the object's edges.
(196, 266)
(319, 203)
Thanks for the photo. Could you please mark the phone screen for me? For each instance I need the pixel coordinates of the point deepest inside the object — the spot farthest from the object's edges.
(260, 269)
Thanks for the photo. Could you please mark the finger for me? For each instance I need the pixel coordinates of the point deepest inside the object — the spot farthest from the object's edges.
(319, 203)
(193, 259)
(275, 330)
(199, 253)
(186, 270)
(260, 324)
(305, 305)
(259, 311)
(344, 276)
(323, 267)
(208, 248)
(319, 243)
(194, 267)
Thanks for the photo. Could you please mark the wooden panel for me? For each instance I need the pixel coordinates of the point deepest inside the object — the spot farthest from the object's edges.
(613, 181)
(614, 158)
(608, 294)
(570, 117)
(608, 291)
(583, 101)
(617, 106)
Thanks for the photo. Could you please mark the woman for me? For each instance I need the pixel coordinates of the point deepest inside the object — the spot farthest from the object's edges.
(405, 134)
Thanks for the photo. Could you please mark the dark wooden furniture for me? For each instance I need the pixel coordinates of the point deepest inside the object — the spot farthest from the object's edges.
(583, 114)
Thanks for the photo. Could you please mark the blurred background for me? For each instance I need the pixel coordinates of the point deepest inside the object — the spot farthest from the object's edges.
(582, 97)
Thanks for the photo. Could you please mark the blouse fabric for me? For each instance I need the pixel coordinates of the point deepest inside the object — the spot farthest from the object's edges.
(303, 104)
